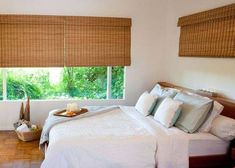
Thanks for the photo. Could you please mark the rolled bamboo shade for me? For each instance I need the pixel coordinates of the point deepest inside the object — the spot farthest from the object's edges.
(31, 41)
(92, 41)
(209, 33)
(57, 41)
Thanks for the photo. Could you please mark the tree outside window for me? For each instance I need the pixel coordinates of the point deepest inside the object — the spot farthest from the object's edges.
(62, 83)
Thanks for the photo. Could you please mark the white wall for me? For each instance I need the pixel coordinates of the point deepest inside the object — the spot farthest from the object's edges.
(196, 73)
(148, 34)
(154, 48)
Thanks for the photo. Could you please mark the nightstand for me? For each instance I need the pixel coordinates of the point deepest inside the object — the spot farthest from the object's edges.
(233, 156)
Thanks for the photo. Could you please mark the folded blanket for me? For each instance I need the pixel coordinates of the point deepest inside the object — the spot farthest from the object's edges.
(52, 120)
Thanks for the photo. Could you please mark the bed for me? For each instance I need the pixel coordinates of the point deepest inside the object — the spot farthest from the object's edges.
(122, 137)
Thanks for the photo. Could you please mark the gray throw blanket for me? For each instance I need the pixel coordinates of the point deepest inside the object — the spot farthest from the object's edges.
(52, 120)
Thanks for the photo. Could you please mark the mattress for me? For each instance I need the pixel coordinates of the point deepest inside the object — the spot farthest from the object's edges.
(203, 144)
(200, 144)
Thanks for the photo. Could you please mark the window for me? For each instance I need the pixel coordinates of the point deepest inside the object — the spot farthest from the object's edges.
(208, 34)
(62, 83)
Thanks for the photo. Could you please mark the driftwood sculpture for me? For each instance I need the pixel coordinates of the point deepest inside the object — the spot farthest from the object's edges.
(21, 117)
(27, 110)
(24, 116)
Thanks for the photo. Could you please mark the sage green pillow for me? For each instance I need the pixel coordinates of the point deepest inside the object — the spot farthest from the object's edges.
(161, 93)
(193, 113)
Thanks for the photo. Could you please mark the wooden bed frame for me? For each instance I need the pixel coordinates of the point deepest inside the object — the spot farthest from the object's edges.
(212, 161)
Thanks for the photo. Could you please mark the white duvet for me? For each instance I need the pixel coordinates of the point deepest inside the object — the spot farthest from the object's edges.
(121, 138)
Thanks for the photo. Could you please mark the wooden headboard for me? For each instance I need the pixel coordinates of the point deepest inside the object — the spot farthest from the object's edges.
(229, 105)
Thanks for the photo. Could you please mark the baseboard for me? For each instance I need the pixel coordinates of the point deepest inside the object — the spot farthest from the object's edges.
(6, 128)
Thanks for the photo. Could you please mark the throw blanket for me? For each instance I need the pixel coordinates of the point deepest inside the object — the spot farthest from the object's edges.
(52, 120)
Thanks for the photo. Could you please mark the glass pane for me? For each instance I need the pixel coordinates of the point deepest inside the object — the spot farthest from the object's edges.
(1, 97)
(37, 83)
(55, 83)
(117, 82)
(85, 82)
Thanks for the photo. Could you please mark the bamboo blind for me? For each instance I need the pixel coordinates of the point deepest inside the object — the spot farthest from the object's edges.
(97, 41)
(208, 34)
(31, 41)
(57, 41)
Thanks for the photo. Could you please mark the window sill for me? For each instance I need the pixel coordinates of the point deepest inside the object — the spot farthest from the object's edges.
(66, 100)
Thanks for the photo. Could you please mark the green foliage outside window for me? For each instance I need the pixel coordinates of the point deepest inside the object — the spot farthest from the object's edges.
(87, 83)
(117, 82)
(69, 82)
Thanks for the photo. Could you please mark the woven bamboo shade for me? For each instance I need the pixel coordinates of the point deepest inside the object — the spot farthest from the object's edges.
(91, 41)
(31, 41)
(57, 41)
(208, 34)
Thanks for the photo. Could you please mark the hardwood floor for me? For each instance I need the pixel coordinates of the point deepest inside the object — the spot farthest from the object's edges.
(18, 154)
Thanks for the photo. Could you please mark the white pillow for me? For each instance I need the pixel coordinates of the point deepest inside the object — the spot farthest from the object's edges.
(145, 102)
(224, 128)
(215, 112)
(168, 112)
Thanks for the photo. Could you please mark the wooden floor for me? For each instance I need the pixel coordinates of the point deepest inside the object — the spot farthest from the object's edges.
(18, 154)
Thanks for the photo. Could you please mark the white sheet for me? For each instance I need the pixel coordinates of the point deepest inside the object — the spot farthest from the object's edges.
(105, 140)
(203, 144)
(172, 146)
(199, 144)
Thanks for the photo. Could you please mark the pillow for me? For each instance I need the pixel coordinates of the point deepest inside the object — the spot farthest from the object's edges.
(145, 102)
(194, 111)
(161, 93)
(168, 112)
(215, 112)
(223, 127)
(158, 90)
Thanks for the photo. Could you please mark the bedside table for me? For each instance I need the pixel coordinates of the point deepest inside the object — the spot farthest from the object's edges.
(233, 154)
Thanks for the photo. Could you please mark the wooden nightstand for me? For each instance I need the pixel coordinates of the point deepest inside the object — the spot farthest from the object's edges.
(233, 154)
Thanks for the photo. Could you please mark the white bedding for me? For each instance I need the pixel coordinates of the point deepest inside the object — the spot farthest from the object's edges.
(199, 144)
(121, 138)
(204, 144)
(105, 140)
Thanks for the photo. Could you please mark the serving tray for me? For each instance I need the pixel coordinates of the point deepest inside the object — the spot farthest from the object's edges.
(64, 113)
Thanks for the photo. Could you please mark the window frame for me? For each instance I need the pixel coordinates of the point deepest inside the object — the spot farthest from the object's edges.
(108, 87)
(4, 84)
